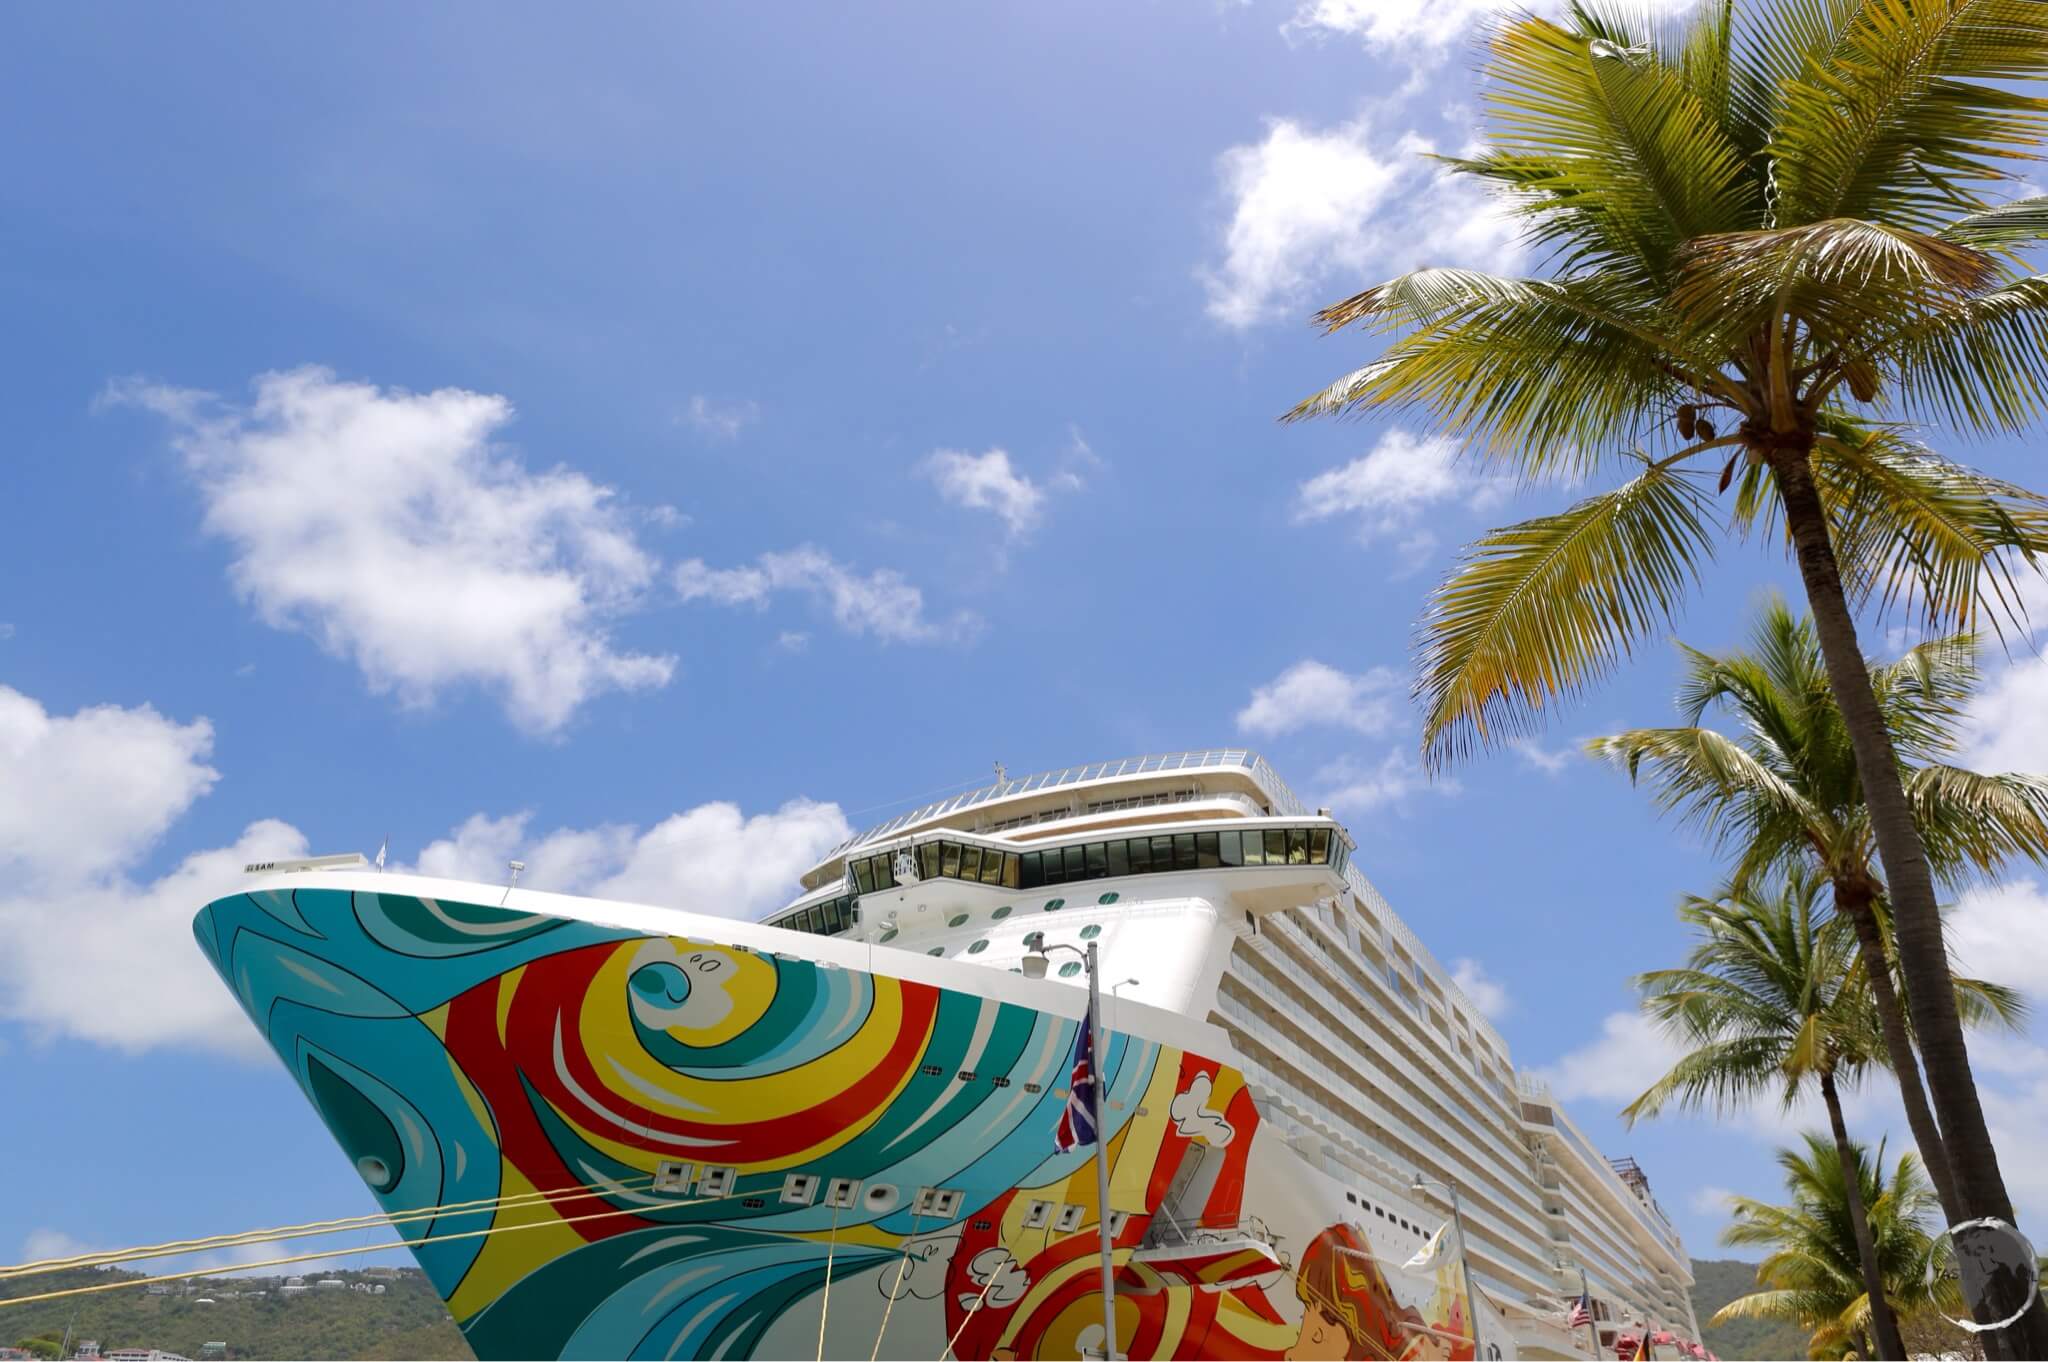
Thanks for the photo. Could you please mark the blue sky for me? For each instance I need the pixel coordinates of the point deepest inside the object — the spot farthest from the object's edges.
(646, 445)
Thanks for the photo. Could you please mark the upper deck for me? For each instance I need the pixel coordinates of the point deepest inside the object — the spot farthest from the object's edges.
(1075, 793)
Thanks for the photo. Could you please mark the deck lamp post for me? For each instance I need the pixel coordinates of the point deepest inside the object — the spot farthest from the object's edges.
(1418, 1186)
(1035, 962)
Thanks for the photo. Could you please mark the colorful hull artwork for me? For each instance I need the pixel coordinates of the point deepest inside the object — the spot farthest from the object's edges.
(601, 1143)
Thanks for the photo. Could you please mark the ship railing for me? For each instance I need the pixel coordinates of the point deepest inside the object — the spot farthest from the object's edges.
(1283, 800)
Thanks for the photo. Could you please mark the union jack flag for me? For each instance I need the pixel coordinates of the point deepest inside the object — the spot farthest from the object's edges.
(1582, 1313)
(1077, 1122)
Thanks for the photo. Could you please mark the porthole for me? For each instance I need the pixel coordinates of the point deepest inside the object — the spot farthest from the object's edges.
(1110, 897)
(957, 920)
(999, 914)
(936, 950)
(1070, 969)
(1054, 905)
(1091, 931)
(978, 947)
(889, 935)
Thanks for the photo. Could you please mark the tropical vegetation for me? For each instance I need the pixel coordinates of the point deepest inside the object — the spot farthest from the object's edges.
(1769, 239)
(1783, 790)
(1811, 1275)
(1772, 1001)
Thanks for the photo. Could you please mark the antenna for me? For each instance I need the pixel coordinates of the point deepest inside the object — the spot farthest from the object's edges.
(515, 867)
(1002, 775)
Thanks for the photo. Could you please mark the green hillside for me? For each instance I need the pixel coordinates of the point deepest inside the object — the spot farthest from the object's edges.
(408, 1320)
(1715, 1282)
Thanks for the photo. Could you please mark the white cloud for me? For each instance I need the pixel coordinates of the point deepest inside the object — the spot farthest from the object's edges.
(1631, 1053)
(1387, 490)
(107, 959)
(881, 603)
(987, 482)
(2000, 932)
(1550, 761)
(2009, 719)
(89, 790)
(1311, 692)
(1487, 993)
(1338, 210)
(711, 859)
(792, 640)
(722, 420)
(1710, 1200)
(1423, 27)
(44, 1242)
(1354, 786)
(388, 526)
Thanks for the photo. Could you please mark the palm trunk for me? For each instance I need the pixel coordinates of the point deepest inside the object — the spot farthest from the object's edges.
(1854, 901)
(1916, 922)
(1884, 1327)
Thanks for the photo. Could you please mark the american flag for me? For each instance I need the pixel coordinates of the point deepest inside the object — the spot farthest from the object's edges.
(1582, 1313)
(1077, 1122)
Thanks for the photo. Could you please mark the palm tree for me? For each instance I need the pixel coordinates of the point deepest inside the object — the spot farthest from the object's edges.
(1812, 1276)
(1766, 241)
(1773, 998)
(1785, 791)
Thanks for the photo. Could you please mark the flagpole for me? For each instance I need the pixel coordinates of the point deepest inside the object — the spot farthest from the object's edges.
(1592, 1329)
(1101, 1160)
(1464, 1253)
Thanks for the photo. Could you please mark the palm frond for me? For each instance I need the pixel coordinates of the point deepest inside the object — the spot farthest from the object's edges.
(1973, 363)
(1909, 525)
(1540, 609)
(1912, 106)
(1976, 822)
(2020, 222)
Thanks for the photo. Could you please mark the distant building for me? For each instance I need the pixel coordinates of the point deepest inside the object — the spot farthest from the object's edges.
(87, 1350)
(334, 1284)
(293, 1286)
(15, 1354)
(213, 1349)
(144, 1355)
(388, 1273)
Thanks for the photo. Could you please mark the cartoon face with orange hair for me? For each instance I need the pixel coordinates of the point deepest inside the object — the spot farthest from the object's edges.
(1348, 1310)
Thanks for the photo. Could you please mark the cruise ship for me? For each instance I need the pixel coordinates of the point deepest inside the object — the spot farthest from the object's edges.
(640, 1130)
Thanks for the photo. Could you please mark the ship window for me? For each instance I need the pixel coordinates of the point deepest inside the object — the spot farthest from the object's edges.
(1029, 873)
(978, 947)
(1207, 854)
(1227, 849)
(1009, 872)
(949, 860)
(1076, 862)
(1254, 848)
(1054, 905)
(1141, 856)
(1297, 846)
(888, 936)
(1091, 931)
(1184, 851)
(957, 920)
(1162, 854)
(864, 876)
(1110, 897)
(815, 920)
(999, 914)
(928, 861)
(1119, 859)
(970, 863)
(835, 917)
(1070, 969)
(1319, 846)
(992, 867)
(936, 950)
(1380, 1211)
(885, 872)
(1098, 860)
(1055, 867)
(1276, 846)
